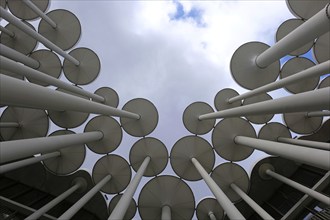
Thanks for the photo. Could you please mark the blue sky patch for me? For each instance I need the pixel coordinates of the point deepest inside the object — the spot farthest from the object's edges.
(194, 14)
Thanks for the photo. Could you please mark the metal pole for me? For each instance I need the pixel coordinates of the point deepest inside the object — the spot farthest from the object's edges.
(13, 150)
(307, 101)
(9, 125)
(26, 71)
(313, 157)
(166, 213)
(305, 143)
(318, 114)
(308, 31)
(83, 200)
(16, 92)
(223, 200)
(263, 214)
(15, 165)
(26, 29)
(316, 195)
(314, 71)
(34, 8)
(212, 216)
(17, 56)
(121, 207)
(54, 202)
(6, 31)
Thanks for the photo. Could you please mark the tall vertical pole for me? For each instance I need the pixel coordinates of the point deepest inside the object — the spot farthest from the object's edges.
(223, 200)
(34, 8)
(166, 213)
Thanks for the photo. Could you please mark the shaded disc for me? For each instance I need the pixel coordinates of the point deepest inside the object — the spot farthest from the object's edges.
(262, 171)
(119, 170)
(223, 137)
(49, 63)
(321, 49)
(245, 71)
(148, 117)
(307, 8)
(325, 83)
(70, 160)
(228, 173)
(67, 31)
(208, 205)
(110, 96)
(300, 123)
(296, 65)
(258, 119)
(273, 131)
(33, 123)
(191, 121)
(166, 190)
(153, 148)
(87, 70)
(287, 27)
(112, 134)
(22, 11)
(222, 97)
(68, 119)
(21, 42)
(191, 147)
(131, 210)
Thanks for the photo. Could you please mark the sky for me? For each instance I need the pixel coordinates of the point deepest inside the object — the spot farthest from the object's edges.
(172, 53)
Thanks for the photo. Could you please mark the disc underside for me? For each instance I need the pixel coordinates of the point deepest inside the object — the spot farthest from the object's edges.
(131, 210)
(22, 11)
(222, 97)
(300, 124)
(273, 131)
(325, 83)
(307, 8)
(258, 119)
(110, 95)
(208, 205)
(321, 49)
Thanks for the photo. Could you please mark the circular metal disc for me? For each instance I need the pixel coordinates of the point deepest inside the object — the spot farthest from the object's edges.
(273, 131)
(148, 117)
(131, 210)
(221, 99)
(321, 49)
(208, 205)
(153, 148)
(287, 27)
(170, 191)
(22, 42)
(119, 170)
(245, 70)
(262, 171)
(22, 11)
(87, 70)
(68, 119)
(325, 83)
(50, 64)
(293, 66)
(299, 123)
(223, 137)
(112, 134)
(228, 173)
(110, 96)
(191, 121)
(67, 31)
(187, 148)
(307, 8)
(70, 160)
(258, 119)
(33, 123)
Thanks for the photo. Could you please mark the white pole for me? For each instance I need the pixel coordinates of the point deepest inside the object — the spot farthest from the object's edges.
(318, 113)
(166, 213)
(34, 8)
(212, 216)
(9, 125)
(6, 31)
(305, 143)
(17, 56)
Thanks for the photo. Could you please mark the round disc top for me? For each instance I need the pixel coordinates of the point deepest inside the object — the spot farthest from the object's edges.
(191, 147)
(208, 205)
(119, 170)
(273, 131)
(221, 99)
(22, 11)
(110, 96)
(153, 148)
(307, 8)
(131, 210)
(166, 190)
(299, 123)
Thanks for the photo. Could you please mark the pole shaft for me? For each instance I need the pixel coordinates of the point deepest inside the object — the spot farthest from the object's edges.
(26, 29)
(15, 165)
(212, 216)
(34, 8)
(308, 31)
(6, 31)
(314, 71)
(305, 143)
(17, 56)
(166, 213)
(223, 200)
(121, 207)
(318, 113)
(13, 150)
(313, 157)
(263, 214)
(9, 125)
(83, 200)
(16, 92)
(307, 101)
(316, 195)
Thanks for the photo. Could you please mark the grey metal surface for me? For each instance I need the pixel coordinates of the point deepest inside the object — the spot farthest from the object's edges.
(110, 96)
(325, 83)
(273, 131)
(321, 51)
(301, 124)
(130, 213)
(258, 119)
(208, 205)
(190, 118)
(307, 8)
(222, 97)
(22, 11)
